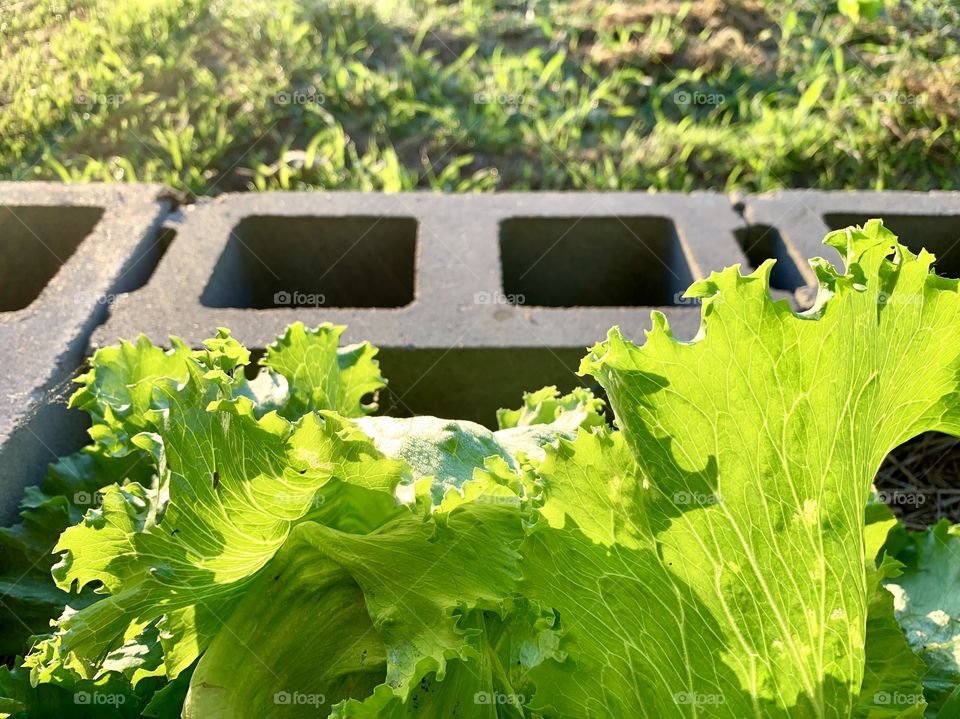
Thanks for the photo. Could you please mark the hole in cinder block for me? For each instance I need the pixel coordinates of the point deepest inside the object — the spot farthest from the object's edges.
(473, 383)
(764, 242)
(35, 241)
(142, 266)
(355, 261)
(593, 261)
(939, 234)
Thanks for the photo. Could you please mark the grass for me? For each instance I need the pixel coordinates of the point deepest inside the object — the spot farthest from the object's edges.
(208, 96)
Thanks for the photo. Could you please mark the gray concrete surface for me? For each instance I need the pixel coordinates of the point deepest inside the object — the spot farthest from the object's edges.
(66, 253)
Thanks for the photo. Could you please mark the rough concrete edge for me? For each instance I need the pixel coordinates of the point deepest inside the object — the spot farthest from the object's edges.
(457, 220)
(44, 403)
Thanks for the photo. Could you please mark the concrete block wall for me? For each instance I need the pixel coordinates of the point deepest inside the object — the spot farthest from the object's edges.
(67, 253)
(791, 224)
(471, 298)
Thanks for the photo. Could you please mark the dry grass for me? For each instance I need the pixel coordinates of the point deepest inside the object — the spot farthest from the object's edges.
(920, 480)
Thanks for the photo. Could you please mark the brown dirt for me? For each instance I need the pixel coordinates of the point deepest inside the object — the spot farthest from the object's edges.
(715, 32)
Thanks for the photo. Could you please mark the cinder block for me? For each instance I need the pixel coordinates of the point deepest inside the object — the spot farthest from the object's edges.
(791, 225)
(471, 298)
(66, 254)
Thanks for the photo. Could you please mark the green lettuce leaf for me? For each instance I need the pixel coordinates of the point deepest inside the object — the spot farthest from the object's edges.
(265, 549)
(756, 445)
(893, 674)
(427, 584)
(168, 701)
(28, 597)
(452, 458)
(927, 604)
(950, 709)
(322, 375)
(892, 677)
(118, 390)
(442, 454)
(545, 417)
(237, 485)
(109, 697)
(131, 449)
(547, 405)
(395, 616)
(299, 641)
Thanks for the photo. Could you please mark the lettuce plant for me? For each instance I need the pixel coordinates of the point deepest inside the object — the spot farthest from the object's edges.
(269, 547)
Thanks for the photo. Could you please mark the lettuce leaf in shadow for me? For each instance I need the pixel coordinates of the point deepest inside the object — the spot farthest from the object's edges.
(892, 675)
(299, 642)
(71, 487)
(926, 599)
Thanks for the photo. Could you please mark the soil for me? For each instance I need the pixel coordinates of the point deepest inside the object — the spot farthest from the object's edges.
(717, 32)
